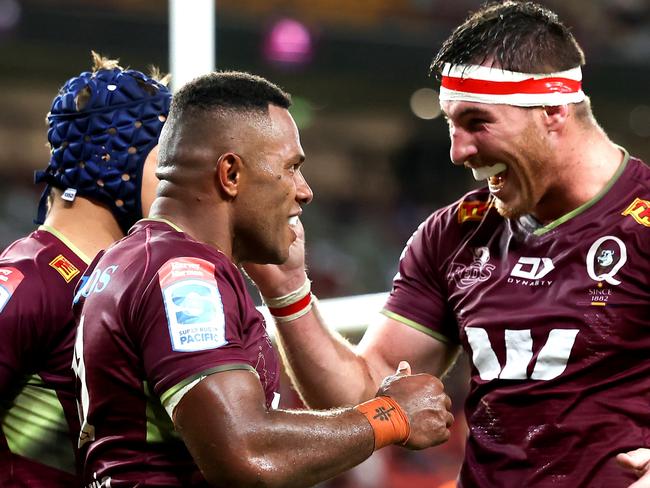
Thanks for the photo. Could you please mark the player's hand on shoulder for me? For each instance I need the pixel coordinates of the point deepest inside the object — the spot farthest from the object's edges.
(277, 280)
(637, 461)
(423, 398)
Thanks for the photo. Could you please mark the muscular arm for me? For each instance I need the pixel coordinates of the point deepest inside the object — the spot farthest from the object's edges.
(236, 441)
(328, 371)
(325, 368)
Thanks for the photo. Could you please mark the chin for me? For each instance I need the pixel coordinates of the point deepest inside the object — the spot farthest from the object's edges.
(277, 257)
(509, 211)
(282, 258)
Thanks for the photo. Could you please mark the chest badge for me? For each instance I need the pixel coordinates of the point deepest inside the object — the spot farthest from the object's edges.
(639, 210)
(478, 271)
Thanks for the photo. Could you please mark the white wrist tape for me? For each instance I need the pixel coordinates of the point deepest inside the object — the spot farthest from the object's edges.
(292, 305)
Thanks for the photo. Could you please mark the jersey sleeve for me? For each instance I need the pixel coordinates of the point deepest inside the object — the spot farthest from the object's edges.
(189, 325)
(419, 294)
(20, 313)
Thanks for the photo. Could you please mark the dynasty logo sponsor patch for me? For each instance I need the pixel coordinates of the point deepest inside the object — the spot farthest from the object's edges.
(10, 278)
(193, 305)
(532, 268)
(639, 210)
(473, 210)
(64, 267)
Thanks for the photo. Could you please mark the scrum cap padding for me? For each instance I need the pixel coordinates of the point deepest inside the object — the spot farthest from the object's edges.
(102, 126)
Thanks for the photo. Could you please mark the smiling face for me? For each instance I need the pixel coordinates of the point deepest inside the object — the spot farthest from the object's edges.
(272, 191)
(505, 145)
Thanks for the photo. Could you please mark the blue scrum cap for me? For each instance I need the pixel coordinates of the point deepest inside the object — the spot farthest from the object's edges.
(102, 126)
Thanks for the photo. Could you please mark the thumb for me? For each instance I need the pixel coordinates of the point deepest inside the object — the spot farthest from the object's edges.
(403, 368)
(636, 459)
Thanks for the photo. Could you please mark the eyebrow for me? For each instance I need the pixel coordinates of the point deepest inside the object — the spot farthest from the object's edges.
(473, 110)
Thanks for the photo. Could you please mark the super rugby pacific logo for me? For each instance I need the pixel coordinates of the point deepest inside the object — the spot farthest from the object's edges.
(193, 304)
(478, 271)
(10, 278)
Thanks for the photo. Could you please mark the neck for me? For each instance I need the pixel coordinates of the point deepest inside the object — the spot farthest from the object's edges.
(197, 219)
(89, 226)
(583, 171)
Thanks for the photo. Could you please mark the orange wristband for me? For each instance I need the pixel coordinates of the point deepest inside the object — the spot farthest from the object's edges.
(387, 419)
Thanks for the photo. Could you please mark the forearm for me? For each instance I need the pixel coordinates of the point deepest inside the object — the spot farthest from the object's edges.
(302, 448)
(236, 441)
(323, 366)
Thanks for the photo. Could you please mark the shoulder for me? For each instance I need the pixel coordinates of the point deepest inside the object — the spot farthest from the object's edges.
(438, 238)
(640, 171)
(157, 255)
(462, 216)
(37, 265)
(37, 279)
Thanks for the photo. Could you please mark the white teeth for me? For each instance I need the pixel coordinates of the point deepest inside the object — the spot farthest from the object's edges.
(293, 220)
(485, 172)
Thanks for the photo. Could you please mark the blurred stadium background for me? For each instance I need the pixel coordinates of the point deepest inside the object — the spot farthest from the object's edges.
(377, 150)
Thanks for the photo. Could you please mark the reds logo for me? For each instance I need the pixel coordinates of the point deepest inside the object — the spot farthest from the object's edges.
(478, 271)
(639, 210)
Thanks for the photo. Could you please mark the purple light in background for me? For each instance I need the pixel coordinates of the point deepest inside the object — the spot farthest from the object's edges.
(9, 14)
(288, 41)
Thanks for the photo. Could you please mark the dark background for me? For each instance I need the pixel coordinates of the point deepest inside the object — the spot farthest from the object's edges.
(376, 169)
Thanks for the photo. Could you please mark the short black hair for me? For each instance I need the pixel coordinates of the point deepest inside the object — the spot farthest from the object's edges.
(229, 90)
(513, 35)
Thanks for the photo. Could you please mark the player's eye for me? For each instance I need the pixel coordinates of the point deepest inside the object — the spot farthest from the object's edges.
(476, 124)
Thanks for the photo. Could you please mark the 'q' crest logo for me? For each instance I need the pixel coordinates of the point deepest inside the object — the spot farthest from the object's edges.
(605, 258)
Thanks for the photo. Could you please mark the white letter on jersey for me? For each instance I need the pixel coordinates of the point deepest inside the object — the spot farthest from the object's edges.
(551, 361)
(554, 356)
(87, 433)
(482, 354)
(519, 352)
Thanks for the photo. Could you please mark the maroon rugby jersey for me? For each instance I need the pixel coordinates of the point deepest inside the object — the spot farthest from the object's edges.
(556, 323)
(38, 413)
(157, 311)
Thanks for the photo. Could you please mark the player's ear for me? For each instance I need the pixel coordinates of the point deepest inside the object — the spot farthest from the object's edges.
(227, 175)
(555, 117)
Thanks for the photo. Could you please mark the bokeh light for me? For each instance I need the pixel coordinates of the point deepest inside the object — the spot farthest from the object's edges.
(302, 112)
(9, 14)
(288, 41)
(640, 120)
(424, 103)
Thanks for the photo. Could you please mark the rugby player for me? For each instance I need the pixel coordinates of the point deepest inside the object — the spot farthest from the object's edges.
(177, 377)
(103, 130)
(541, 276)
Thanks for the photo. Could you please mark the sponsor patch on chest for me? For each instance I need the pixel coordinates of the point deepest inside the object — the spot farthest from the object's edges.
(193, 304)
(10, 278)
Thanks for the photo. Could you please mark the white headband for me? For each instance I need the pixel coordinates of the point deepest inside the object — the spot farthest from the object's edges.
(482, 84)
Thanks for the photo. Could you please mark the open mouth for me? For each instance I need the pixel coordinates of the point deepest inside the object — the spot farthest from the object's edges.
(496, 182)
(495, 175)
(293, 220)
